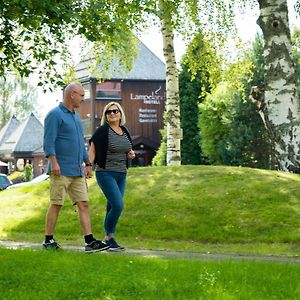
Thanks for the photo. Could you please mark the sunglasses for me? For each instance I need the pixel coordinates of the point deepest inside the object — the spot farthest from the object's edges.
(82, 95)
(114, 111)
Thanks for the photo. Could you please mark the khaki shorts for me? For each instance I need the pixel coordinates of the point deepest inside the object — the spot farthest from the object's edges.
(74, 186)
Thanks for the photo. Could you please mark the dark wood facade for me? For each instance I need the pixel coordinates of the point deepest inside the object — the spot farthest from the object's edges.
(143, 102)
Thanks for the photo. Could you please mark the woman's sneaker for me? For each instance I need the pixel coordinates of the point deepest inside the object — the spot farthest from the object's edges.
(113, 245)
(95, 246)
(51, 245)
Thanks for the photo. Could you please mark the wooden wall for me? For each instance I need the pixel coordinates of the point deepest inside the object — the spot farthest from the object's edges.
(143, 103)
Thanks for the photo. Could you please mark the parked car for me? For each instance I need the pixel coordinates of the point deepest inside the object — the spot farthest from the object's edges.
(34, 180)
(4, 182)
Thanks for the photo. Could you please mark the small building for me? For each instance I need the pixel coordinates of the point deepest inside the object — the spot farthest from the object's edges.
(5, 133)
(141, 92)
(22, 143)
(8, 129)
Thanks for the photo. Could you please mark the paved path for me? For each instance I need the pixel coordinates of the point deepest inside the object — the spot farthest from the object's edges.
(165, 254)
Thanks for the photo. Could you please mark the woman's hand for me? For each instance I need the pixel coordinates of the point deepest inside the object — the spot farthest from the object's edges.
(131, 154)
(88, 171)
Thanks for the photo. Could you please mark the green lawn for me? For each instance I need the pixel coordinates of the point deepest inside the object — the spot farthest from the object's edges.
(190, 208)
(35, 275)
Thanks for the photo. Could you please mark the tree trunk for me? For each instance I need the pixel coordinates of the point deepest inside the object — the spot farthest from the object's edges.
(277, 100)
(174, 133)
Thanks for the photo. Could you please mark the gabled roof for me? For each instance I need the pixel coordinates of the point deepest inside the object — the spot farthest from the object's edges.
(28, 137)
(8, 129)
(147, 66)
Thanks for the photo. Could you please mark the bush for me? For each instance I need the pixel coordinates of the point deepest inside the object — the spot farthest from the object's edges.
(28, 172)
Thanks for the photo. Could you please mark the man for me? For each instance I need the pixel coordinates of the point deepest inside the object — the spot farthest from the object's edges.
(65, 149)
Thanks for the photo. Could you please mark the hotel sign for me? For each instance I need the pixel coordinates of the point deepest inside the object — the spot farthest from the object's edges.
(153, 98)
(149, 115)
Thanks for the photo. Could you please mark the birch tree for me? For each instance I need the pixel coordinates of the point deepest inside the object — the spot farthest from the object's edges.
(189, 17)
(174, 133)
(276, 99)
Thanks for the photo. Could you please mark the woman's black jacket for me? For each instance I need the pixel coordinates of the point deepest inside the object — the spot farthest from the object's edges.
(100, 140)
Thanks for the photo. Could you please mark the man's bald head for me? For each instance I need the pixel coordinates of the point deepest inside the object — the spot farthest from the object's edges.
(71, 87)
(73, 95)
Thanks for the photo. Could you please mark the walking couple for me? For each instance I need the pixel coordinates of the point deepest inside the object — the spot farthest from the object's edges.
(69, 164)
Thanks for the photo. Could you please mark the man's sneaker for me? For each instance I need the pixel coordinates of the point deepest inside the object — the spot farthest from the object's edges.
(95, 246)
(113, 245)
(51, 245)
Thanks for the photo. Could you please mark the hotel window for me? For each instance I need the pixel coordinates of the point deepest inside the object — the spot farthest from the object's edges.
(108, 90)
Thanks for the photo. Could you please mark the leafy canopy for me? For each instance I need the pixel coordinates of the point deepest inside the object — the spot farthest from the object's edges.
(34, 34)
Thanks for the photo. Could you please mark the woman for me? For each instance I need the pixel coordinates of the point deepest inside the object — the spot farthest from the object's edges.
(110, 150)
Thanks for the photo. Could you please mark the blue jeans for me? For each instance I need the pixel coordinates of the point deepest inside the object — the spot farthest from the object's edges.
(113, 186)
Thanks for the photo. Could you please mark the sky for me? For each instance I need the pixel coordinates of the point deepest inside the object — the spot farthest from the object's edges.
(247, 29)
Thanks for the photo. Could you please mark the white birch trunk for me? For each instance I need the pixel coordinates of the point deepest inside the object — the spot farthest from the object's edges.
(174, 133)
(278, 103)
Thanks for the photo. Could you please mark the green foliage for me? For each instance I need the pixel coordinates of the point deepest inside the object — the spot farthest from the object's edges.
(34, 35)
(5, 113)
(202, 60)
(17, 97)
(215, 125)
(28, 172)
(232, 130)
(200, 71)
(189, 93)
(160, 158)
(256, 57)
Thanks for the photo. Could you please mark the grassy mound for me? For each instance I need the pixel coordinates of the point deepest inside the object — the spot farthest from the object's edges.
(194, 208)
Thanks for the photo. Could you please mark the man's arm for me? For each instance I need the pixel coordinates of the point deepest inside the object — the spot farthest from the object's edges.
(51, 125)
(55, 168)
